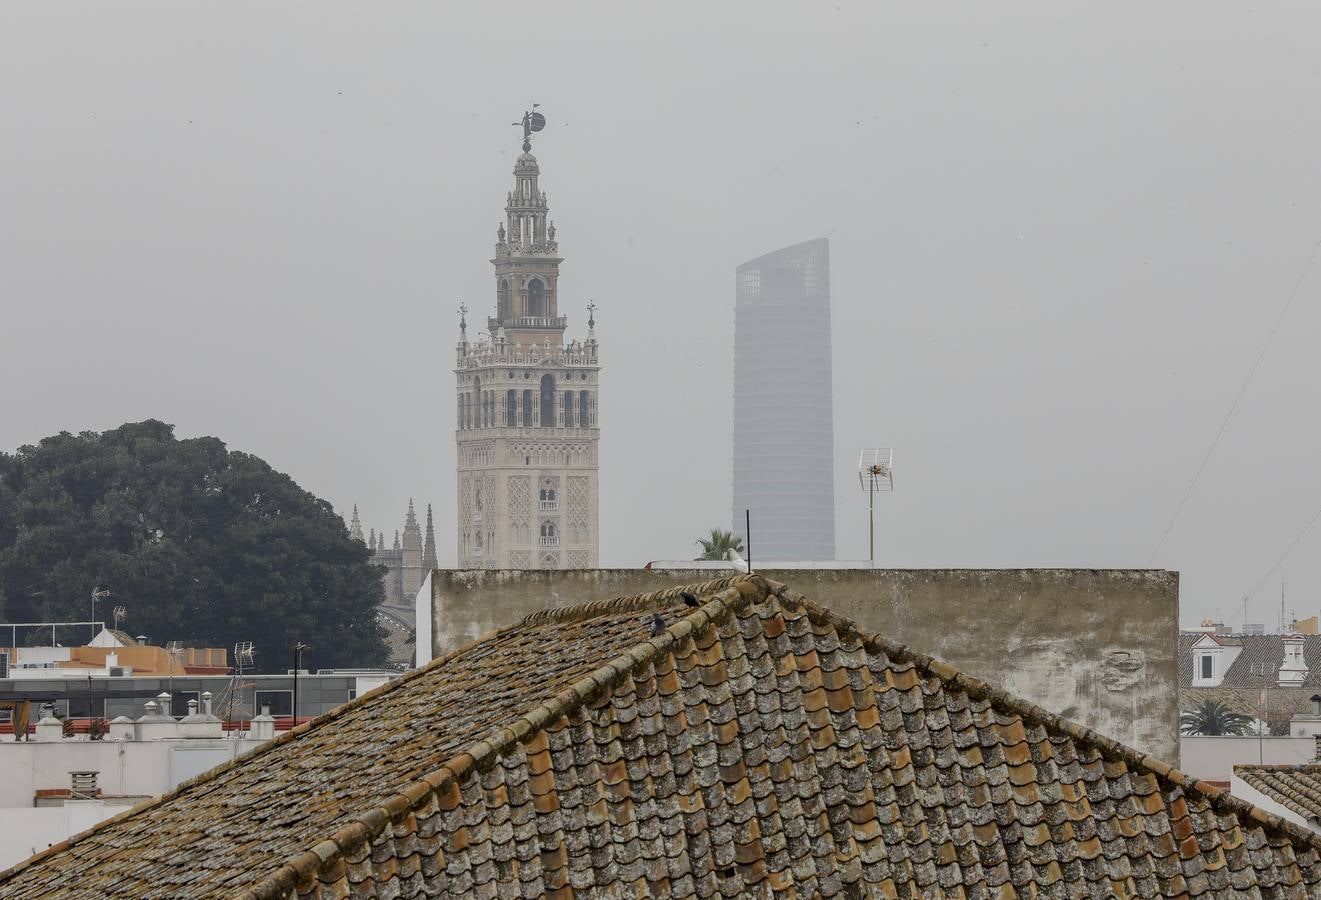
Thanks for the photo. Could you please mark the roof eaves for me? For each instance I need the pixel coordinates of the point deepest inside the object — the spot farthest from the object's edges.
(730, 595)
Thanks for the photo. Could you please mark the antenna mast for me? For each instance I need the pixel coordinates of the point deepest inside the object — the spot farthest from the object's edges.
(875, 474)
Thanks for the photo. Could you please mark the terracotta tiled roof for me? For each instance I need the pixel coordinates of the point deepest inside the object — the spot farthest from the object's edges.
(759, 746)
(1297, 788)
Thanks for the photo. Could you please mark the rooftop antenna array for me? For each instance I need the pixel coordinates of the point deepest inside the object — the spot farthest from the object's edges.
(97, 594)
(243, 663)
(876, 475)
(119, 613)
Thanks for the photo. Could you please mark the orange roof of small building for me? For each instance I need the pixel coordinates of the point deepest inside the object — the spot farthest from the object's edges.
(759, 745)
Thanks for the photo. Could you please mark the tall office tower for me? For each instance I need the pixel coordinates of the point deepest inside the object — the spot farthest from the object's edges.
(783, 424)
(527, 431)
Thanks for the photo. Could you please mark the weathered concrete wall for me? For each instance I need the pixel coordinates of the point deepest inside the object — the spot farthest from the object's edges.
(1095, 646)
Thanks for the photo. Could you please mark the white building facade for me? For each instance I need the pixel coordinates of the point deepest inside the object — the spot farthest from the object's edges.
(527, 408)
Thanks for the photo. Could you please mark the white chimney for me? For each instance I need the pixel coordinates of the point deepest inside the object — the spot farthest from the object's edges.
(153, 726)
(262, 727)
(50, 730)
(122, 729)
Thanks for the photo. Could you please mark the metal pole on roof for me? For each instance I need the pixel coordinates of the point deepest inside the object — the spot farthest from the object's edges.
(747, 531)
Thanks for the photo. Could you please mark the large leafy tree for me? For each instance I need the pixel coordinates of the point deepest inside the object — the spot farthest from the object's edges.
(202, 544)
(718, 543)
(1213, 717)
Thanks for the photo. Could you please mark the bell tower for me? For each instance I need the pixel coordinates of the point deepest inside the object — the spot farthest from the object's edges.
(527, 403)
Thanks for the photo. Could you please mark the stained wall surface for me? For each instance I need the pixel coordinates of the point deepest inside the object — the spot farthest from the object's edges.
(1094, 645)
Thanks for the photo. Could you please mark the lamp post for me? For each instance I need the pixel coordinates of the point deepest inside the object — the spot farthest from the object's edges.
(875, 474)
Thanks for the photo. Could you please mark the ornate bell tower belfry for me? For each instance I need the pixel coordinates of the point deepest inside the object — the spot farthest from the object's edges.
(527, 403)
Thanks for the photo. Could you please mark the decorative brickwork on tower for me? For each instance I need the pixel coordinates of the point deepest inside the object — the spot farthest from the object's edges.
(527, 407)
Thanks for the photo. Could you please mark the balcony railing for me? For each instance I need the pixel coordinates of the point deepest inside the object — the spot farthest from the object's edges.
(548, 505)
(553, 541)
(529, 322)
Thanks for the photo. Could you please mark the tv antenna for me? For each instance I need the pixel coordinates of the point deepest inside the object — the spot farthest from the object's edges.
(243, 656)
(533, 122)
(119, 613)
(876, 475)
(97, 594)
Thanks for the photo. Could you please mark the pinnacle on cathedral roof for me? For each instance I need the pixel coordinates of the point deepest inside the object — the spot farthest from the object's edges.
(410, 520)
(429, 560)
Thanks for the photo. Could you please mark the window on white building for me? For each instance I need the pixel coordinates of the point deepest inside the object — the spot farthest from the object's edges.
(1204, 665)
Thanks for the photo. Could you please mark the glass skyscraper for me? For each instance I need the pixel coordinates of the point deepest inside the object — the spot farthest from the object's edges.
(783, 424)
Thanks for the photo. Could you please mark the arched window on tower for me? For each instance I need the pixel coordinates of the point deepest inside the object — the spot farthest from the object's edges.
(475, 410)
(547, 401)
(527, 408)
(502, 309)
(548, 499)
(550, 535)
(584, 410)
(511, 407)
(568, 409)
(536, 298)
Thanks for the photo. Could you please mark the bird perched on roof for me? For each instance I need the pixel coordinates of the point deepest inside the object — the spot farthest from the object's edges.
(690, 599)
(657, 624)
(739, 564)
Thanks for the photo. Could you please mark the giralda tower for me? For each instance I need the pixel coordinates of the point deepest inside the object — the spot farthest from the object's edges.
(527, 399)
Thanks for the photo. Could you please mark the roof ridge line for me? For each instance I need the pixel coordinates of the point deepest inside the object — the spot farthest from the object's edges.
(578, 612)
(977, 688)
(733, 593)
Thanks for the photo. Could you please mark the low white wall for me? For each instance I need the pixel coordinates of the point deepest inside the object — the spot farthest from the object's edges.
(29, 830)
(139, 768)
(1214, 758)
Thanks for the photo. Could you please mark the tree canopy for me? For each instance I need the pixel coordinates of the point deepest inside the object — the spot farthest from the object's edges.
(1214, 717)
(718, 543)
(200, 543)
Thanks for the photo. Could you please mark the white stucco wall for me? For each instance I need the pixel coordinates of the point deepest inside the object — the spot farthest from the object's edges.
(127, 769)
(1214, 758)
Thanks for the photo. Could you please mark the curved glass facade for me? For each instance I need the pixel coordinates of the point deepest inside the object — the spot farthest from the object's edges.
(783, 423)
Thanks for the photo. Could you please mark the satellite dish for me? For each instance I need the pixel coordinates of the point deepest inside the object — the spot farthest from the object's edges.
(536, 121)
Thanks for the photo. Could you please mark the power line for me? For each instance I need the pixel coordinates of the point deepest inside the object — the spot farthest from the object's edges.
(1234, 406)
(1297, 538)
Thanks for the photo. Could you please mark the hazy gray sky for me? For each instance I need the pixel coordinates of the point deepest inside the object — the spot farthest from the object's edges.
(1059, 234)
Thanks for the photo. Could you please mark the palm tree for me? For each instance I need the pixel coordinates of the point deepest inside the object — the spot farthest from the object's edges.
(1214, 717)
(715, 546)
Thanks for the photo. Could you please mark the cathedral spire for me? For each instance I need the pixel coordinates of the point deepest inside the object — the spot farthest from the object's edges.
(410, 520)
(371, 540)
(355, 526)
(396, 538)
(429, 549)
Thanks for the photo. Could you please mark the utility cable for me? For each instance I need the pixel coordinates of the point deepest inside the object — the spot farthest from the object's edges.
(1271, 571)
(1234, 406)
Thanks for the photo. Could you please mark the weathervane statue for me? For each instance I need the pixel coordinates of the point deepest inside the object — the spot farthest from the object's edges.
(532, 121)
